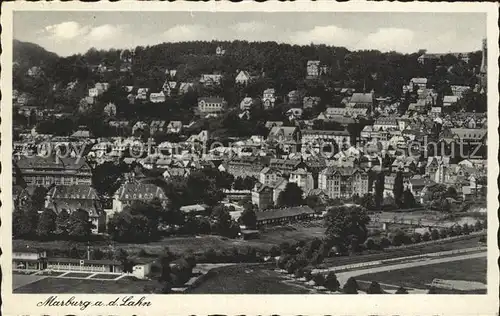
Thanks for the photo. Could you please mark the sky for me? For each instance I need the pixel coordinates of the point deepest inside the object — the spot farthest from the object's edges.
(71, 32)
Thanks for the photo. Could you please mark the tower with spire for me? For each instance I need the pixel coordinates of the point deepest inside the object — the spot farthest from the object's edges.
(484, 68)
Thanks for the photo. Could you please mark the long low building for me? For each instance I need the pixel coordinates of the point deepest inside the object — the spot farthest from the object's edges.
(284, 215)
(28, 259)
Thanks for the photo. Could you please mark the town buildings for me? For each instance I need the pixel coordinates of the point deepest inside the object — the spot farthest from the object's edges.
(134, 191)
(52, 170)
(211, 106)
(343, 182)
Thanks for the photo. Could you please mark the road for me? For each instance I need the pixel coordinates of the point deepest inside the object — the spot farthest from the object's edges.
(343, 276)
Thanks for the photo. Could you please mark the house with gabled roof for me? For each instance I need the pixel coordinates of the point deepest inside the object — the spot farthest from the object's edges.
(243, 77)
(133, 191)
(343, 182)
(268, 98)
(77, 197)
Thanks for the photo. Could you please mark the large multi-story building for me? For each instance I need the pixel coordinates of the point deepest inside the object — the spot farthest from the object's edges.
(323, 139)
(211, 105)
(343, 182)
(133, 191)
(245, 166)
(40, 171)
(77, 197)
(303, 178)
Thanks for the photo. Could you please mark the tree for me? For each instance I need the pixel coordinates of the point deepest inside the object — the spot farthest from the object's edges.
(351, 286)
(370, 244)
(432, 290)
(274, 251)
(291, 196)
(466, 229)
(426, 236)
(299, 272)
(107, 177)
(374, 288)
(38, 198)
(398, 238)
(21, 225)
(248, 217)
(343, 223)
(398, 189)
(451, 192)
(409, 199)
(308, 274)
(97, 254)
(165, 268)
(79, 225)
(367, 201)
(222, 222)
(385, 242)
(291, 265)
(435, 234)
(379, 189)
(416, 238)
(331, 282)
(46, 223)
(128, 227)
(319, 279)
(203, 189)
(62, 222)
(401, 290)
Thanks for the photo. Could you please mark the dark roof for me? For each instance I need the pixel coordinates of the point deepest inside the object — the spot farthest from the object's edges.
(38, 162)
(85, 261)
(283, 213)
(78, 191)
(325, 132)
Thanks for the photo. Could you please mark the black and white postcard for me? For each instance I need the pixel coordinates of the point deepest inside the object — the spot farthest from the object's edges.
(152, 152)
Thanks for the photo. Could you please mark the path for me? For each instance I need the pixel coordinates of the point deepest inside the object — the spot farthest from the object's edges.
(343, 276)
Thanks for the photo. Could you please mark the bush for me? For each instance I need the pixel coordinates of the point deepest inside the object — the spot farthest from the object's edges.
(331, 282)
(299, 272)
(384, 242)
(285, 248)
(426, 236)
(319, 279)
(466, 229)
(435, 234)
(351, 286)
(432, 290)
(374, 288)
(416, 238)
(478, 226)
(308, 274)
(401, 290)
(290, 266)
(274, 251)
(282, 261)
(443, 233)
(370, 244)
(398, 238)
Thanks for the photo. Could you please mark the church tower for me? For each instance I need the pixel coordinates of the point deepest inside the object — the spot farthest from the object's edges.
(483, 70)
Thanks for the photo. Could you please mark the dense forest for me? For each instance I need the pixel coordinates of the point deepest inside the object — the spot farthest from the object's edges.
(281, 66)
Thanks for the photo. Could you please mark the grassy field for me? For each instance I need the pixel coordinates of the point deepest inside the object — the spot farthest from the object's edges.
(105, 276)
(419, 277)
(268, 238)
(395, 253)
(78, 275)
(61, 285)
(246, 280)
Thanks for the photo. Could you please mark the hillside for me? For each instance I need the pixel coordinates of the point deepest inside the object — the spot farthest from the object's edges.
(29, 54)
